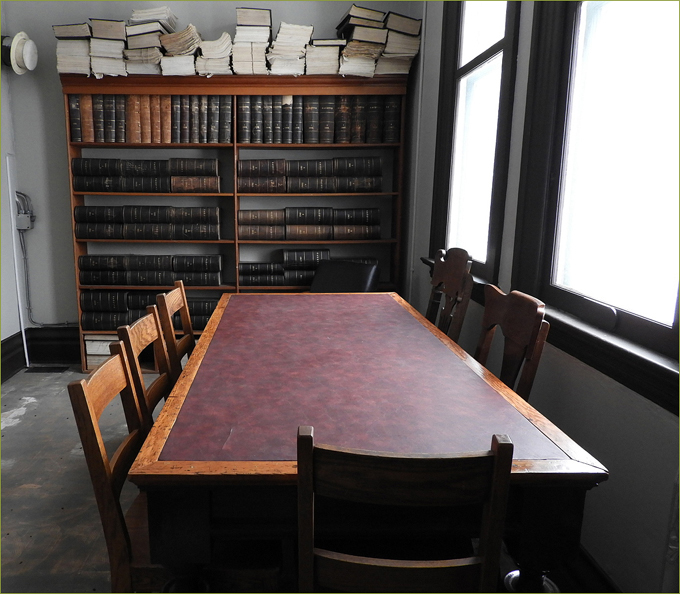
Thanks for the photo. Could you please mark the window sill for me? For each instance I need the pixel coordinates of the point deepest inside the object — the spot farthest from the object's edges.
(648, 373)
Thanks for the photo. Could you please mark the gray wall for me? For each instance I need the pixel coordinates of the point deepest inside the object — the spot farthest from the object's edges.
(627, 517)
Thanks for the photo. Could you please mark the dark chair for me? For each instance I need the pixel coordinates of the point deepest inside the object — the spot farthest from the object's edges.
(342, 276)
(521, 319)
(479, 479)
(127, 535)
(168, 305)
(451, 290)
(137, 337)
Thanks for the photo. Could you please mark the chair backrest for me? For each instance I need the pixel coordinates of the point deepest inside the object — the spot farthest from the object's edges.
(343, 276)
(168, 305)
(521, 318)
(89, 398)
(135, 338)
(466, 479)
(451, 290)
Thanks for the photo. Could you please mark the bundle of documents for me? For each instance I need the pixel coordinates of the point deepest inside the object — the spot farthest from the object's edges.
(220, 48)
(161, 14)
(73, 56)
(287, 53)
(107, 66)
(107, 48)
(394, 64)
(143, 61)
(254, 16)
(357, 66)
(178, 65)
(249, 58)
(182, 43)
(252, 34)
(323, 59)
(210, 66)
(142, 68)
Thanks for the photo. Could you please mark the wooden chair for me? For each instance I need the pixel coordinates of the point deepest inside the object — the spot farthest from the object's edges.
(126, 534)
(168, 305)
(521, 319)
(451, 290)
(342, 276)
(137, 337)
(472, 478)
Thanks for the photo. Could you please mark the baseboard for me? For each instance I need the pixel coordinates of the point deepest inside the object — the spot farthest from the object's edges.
(53, 345)
(12, 356)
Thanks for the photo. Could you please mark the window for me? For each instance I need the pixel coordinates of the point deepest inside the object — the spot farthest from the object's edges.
(597, 232)
(476, 91)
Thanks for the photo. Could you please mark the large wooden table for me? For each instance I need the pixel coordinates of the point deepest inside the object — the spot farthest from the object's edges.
(367, 371)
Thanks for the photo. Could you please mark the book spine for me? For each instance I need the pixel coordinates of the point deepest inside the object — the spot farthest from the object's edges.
(350, 166)
(150, 231)
(359, 184)
(342, 119)
(121, 117)
(98, 117)
(308, 216)
(304, 259)
(203, 116)
(309, 232)
(103, 301)
(148, 214)
(312, 184)
(261, 167)
(193, 166)
(225, 119)
(166, 109)
(185, 119)
(356, 216)
(310, 105)
(310, 168)
(202, 307)
(356, 231)
(103, 277)
(267, 120)
(213, 119)
(295, 278)
(260, 268)
(86, 117)
(374, 119)
(392, 119)
(145, 118)
(103, 320)
(175, 118)
(243, 114)
(261, 280)
(277, 119)
(358, 119)
(91, 166)
(98, 214)
(147, 262)
(261, 217)
(326, 119)
(286, 119)
(74, 117)
(151, 277)
(206, 263)
(97, 262)
(155, 112)
(194, 183)
(109, 118)
(256, 119)
(206, 279)
(194, 119)
(188, 231)
(298, 120)
(99, 231)
(264, 185)
(267, 232)
(206, 215)
(144, 168)
(140, 300)
(133, 124)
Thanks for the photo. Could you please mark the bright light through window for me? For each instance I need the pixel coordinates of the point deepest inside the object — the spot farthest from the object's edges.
(617, 240)
(473, 159)
(483, 25)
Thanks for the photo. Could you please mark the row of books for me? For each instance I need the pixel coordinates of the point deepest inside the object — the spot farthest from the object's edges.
(97, 346)
(205, 215)
(144, 167)
(307, 215)
(309, 185)
(338, 166)
(147, 231)
(318, 119)
(176, 263)
(197, 119)
(308, 232)
(162, 278)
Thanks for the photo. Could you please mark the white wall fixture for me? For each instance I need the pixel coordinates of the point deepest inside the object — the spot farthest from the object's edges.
(19, 52)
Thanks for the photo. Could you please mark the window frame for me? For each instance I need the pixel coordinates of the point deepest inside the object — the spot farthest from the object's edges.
(450, 74)
(638, 353)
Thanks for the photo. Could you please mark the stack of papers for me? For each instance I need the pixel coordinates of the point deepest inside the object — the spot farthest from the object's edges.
(254, 16)
(252, 34)
(107, 66)
(178, 65)
(106, 57)
(249, 58)
(143, 61)
(209, 66)
(287, 53)
(73, 56)
(357, 66)
(323, 59)
(161, 14)
(403, 43)
(215, 56)
(220, 48)
(182, 43)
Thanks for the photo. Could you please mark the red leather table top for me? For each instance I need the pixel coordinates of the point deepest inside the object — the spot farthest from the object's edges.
(359, 368)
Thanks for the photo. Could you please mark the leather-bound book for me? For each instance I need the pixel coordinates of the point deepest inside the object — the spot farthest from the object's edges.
(121, 105)
(102, 262)
(225, 119)
(104, 320)
(309, 232)
(99, 230)
(374, 119)
(86, 117)
(145, 118)
(286, 119)
(392, 119)
(194, 183)
(262, 232)
(155, 111)
(185, 118)
(267, 120)
(261, 280)
(358, 119)
(356, 216)
(311, 119)
(342, 119)
(194, 119)
(203, 263)
(261, 167)
(75, 119)
(310, 168)
(98, 117)
(260, 268)
(243, 116)
(203, 119)
(166, 118)
(206, 215)
(349, 166)
(196, 231)
(265, 185)
(98, 214)
(200, 278)
(298, 120)
(359, 183)
(304, 259)
(213, 119)
(326, 119)
(109, 117)
(277, 119)
(308, 215)
(295, 278)
(176, 118)
(356, 231)
(261, 217)
(256, 119)
(103, 301)
(312, 185)
(149, 262)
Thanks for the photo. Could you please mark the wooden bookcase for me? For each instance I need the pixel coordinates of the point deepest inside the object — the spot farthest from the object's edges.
(233, 249)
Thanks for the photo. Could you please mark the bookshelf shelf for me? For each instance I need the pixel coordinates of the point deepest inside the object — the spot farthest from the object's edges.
(228, 151)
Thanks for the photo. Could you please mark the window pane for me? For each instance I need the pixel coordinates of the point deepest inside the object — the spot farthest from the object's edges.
(474, 146)
(483, 25)
(618, 221)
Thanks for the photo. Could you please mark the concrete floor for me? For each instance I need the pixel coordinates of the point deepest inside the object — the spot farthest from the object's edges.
(52, 540)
